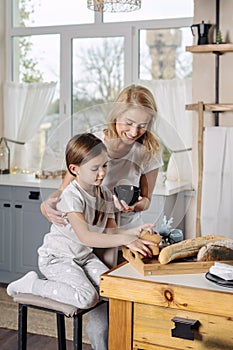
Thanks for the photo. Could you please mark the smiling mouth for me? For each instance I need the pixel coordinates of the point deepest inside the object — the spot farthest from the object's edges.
(130, 138)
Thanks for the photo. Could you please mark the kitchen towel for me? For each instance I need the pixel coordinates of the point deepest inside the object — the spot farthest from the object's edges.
(217, 184)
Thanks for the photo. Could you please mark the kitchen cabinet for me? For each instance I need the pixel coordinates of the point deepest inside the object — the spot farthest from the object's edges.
(22, 228)
(172, 205)
(5, 229)
(170, 199)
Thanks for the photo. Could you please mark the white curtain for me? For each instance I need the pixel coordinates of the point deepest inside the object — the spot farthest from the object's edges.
(174, 125)
(217, 184)
(25, 106)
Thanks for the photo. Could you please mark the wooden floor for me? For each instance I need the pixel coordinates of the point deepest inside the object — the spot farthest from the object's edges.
(8, 341)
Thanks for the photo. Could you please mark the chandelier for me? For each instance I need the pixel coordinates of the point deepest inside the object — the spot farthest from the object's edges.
(114, 5)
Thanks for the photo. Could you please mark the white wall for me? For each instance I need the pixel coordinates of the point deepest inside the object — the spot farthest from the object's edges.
(204, 82)
(2, 59)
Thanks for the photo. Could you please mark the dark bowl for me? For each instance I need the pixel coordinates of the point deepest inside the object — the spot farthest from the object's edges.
(127, 193)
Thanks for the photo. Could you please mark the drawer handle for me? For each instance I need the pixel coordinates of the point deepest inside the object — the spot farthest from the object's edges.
(6, 205)
(34, 195)
(184, 328)
(18, 206)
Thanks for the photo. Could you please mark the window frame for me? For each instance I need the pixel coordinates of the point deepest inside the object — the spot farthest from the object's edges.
(129, 30)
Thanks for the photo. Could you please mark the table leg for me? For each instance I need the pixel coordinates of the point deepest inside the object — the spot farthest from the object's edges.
(120, 324)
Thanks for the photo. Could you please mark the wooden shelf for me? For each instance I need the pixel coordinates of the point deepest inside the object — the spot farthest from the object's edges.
(221, 48)
(211, 107)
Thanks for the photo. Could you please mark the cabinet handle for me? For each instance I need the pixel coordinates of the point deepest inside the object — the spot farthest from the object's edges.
(18, 206)
(34, 195)
(184, 328)
(6, 205)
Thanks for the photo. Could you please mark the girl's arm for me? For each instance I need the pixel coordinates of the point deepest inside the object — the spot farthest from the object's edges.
(48, 207)
(135, 231)
(108, 240)
(147, 184)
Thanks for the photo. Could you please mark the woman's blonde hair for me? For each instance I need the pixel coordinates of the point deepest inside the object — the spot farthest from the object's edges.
(136, 96)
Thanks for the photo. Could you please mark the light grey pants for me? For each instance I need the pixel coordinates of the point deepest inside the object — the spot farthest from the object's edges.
(76, 283)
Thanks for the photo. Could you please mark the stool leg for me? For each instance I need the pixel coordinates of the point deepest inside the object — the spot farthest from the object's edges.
(78, 332)
(61, 332)
(22, 327)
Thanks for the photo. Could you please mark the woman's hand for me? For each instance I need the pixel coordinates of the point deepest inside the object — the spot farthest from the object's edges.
(123, 206)
(48, 209)
(141, 246)
(141, 204)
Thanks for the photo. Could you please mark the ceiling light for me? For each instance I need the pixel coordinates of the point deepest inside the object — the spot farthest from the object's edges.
(114, 5)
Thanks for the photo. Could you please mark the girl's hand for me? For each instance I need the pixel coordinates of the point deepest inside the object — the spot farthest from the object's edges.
(123, 206)
(140, 245)
(48, 209)
(138, 230)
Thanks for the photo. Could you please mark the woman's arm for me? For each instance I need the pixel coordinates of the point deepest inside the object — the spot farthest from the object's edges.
(147, 184)
(48, 206)
(113, 237)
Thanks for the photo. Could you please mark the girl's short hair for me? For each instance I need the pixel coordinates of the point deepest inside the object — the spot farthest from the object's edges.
(83, 147)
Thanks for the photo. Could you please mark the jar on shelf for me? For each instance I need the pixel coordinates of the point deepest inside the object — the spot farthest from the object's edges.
(4, 157)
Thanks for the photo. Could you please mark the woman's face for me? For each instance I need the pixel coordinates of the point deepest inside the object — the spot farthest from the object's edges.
(132, 124)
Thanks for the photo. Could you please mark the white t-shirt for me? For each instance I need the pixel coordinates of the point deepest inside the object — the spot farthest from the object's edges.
(62, 241)
(128, 170)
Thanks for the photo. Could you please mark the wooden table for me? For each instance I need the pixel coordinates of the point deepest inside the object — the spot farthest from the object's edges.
(167, 312)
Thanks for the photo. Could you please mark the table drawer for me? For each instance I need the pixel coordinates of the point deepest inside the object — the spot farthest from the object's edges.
(153, 327)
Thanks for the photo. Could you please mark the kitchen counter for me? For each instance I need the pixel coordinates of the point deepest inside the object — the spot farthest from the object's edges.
(22, 222)
(29, 180)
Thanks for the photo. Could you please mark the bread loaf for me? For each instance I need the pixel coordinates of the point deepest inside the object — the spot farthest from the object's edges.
(156, 238)
(186, 248)
(216, 251)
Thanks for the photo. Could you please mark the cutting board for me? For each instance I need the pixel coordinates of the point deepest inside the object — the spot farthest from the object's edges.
(151, 266)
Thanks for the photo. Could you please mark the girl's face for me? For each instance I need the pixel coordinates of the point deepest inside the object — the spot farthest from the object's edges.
(132, 124)
(92, 172)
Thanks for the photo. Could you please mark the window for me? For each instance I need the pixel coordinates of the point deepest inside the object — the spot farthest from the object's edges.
(36, 58)
(97, 78)
(162, 53)
(65, 42)
(39, 13)
(98, 70)
(154, 10)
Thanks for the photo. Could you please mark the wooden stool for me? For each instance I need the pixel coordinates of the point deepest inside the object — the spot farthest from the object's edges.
(29, 300)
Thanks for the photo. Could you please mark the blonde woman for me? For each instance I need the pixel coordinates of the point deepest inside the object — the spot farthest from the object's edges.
(134, 155)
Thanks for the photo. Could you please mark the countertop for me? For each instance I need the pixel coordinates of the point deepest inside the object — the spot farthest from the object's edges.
(29, 180)
(197, 280)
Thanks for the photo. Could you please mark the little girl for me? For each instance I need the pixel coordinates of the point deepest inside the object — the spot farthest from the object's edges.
(66, 257)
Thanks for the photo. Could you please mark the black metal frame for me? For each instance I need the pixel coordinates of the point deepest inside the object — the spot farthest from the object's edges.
(61, 332)
(217, 65)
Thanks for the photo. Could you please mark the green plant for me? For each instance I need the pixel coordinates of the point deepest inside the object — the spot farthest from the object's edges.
(219, 37)
(166, 156)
